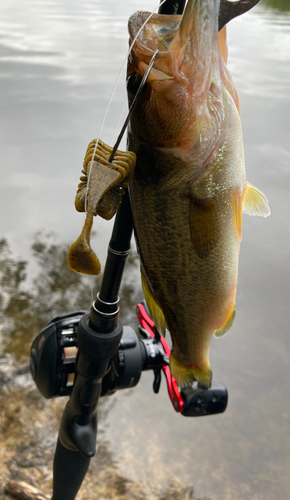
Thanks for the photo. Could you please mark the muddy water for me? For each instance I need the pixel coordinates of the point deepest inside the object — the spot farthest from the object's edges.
(55, 84)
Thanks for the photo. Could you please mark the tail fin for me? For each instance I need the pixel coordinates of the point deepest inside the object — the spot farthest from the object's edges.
(186, 375)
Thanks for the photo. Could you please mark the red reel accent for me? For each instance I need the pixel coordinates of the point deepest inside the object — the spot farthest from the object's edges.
(172, 387)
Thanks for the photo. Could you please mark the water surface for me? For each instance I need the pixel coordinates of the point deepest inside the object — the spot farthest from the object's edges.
(58, 64)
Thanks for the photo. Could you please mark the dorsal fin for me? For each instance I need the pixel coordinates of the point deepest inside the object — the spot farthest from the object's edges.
(255, 202)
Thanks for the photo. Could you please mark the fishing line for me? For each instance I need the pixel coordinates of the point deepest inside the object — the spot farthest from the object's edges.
(112, 96)
(118, 123)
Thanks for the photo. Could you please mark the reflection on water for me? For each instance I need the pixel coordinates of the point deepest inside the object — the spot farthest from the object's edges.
(24, 308)
(283, 5)
(55, 82)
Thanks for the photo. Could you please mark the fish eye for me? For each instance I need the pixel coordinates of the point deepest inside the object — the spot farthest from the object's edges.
(133, 83)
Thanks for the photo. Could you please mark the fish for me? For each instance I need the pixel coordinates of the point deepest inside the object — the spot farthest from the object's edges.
(188, 189)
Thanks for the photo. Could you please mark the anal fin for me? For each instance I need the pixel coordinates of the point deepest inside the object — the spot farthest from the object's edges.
(227, 325)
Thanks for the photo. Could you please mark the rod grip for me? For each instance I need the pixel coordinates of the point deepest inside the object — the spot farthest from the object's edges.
(69, 470)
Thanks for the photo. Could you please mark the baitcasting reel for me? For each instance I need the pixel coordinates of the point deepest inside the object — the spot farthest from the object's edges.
(54, 354)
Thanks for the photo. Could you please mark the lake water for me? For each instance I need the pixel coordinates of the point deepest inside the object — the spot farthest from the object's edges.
(58, 65)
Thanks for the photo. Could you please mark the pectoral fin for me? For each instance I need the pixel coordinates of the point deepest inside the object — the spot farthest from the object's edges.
(154, 308)
(203, 225)
(255, 202)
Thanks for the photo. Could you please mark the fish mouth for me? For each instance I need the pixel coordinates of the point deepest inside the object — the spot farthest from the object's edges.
(157, 33)
(185, 44)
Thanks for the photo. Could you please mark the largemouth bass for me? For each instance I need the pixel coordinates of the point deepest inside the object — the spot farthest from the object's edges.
(189, 188)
